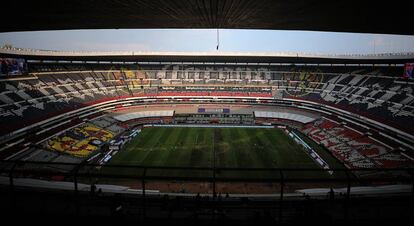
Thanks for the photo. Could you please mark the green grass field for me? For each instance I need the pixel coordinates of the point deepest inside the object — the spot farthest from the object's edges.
(232, 147)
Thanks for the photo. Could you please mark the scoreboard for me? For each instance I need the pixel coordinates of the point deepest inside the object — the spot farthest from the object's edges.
(213, 110)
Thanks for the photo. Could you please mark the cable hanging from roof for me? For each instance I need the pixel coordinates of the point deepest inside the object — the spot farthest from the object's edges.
(218, 39)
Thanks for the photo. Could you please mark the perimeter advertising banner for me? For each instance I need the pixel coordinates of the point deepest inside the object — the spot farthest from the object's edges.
(409, 70)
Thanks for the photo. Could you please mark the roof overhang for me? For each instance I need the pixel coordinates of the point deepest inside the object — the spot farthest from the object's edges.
(321, 15)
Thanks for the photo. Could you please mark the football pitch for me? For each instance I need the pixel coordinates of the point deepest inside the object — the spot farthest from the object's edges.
(213, 147)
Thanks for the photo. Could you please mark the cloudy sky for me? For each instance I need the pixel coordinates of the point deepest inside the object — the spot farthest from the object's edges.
(205, 40)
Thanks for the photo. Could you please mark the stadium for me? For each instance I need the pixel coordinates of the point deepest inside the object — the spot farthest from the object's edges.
(200, 138)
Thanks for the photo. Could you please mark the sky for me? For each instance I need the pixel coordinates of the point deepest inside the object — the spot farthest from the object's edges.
(205, 40)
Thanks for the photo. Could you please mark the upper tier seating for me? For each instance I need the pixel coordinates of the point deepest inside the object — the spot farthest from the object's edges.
(376, 93)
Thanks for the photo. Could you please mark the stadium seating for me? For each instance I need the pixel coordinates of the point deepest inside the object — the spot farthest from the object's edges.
(378, 93)
(355, 149)
(384, 98)
(80, 141)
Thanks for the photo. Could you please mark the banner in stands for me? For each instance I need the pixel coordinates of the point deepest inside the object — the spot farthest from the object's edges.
(11, 66)
(409, 70)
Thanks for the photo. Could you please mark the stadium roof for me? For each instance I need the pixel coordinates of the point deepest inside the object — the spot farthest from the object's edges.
(217, 57)
(387, 17)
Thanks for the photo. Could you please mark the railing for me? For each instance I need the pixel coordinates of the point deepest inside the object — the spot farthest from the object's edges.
(34, 169)
(142, 175)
